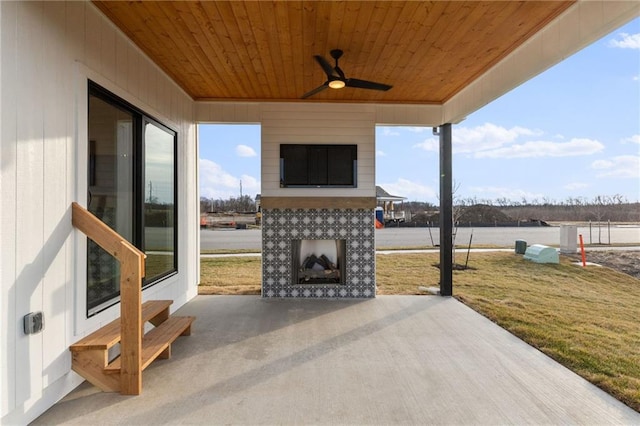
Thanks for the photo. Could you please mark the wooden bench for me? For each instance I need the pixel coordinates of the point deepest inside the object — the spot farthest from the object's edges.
(157, 342)
(90, 355)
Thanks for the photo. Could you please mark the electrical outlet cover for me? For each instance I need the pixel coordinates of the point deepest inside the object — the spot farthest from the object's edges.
(33, 322)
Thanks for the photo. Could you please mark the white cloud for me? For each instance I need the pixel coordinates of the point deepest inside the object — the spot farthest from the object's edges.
(602, 164)
(632, 139)
(217, 183)
(481, 138)
(493, 141)
(573, 186)
(623, 166)
(494, 192)
(487, 136)
(380, 153)
(390, 131)
(412, 190)
(430, 144)
(626, 41)
(245, 151)
(537, 149)
(250, 185)
(419, 129)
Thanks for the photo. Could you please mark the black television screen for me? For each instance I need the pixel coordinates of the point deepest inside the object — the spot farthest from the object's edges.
(318, 165)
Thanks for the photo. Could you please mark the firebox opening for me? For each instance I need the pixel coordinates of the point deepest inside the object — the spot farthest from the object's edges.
(318, 261)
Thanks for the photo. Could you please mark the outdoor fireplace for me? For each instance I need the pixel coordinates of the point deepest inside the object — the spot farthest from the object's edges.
(318, 261)
(318, 253)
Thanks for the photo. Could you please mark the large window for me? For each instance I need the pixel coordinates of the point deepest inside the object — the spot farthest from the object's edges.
(132, 188)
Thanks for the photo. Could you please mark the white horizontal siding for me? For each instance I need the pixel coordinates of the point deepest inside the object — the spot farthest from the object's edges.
(320, 124)
(316, 115)
(317, 137)
(49, 49)
(340, 115)
(314, 128)
(409, 115)
(228, 112)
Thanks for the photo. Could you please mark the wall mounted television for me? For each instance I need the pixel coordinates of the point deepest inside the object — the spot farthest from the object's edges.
(319, 166)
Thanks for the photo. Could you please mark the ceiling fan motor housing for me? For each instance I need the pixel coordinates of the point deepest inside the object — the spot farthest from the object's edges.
(336, 78)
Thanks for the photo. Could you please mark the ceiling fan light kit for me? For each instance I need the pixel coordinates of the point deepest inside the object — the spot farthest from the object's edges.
(336, 78)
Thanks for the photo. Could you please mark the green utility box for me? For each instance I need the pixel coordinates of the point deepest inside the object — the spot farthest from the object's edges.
(521, 246)
(542, 254)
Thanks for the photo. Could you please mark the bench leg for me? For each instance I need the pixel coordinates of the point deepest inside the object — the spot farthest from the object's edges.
(90, 365)
(166, 354)
(187, 331)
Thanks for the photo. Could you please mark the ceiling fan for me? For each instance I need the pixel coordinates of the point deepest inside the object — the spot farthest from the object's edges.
(337, 80)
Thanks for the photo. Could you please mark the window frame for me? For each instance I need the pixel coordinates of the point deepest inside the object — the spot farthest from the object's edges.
(140, 119)
(150, 120)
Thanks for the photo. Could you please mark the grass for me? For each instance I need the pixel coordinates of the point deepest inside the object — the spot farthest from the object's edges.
(403, 273)
(229, 251)
(230, 275)
(157, 264)
(585, 318)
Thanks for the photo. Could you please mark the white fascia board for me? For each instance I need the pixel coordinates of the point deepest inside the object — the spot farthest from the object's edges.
(385, 114)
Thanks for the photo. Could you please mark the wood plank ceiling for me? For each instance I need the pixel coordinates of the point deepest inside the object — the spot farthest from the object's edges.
(263, 50)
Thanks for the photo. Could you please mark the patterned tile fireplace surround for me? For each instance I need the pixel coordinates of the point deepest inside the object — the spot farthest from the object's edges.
(282, 228)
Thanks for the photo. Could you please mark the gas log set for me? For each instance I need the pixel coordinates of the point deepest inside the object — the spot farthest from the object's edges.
(318, 270)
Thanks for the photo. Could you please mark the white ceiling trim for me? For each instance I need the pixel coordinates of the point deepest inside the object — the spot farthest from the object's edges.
(385, 114)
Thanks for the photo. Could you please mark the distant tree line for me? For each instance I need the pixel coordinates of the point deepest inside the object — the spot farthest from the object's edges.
(234, 204)
(616, 199)
(615, 208)
(158, 214)
(600, 208)
(418, 206)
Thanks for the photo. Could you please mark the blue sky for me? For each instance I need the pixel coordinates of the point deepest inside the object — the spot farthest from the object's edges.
(572, 131)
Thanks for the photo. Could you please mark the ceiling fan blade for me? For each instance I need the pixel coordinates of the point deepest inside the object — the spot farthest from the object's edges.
(326, 67)
(316, 90)
(364, 84)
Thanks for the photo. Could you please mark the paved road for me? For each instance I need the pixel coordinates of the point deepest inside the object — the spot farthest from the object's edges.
(230, 239)
(412, 237)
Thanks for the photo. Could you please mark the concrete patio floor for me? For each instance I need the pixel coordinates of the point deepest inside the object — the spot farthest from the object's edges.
(389, 360)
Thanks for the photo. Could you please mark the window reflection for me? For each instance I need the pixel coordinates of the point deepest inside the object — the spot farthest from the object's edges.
(159, 201)
(110, 196)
